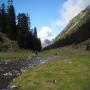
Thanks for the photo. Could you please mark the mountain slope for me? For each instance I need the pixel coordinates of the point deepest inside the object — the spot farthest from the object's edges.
(6, 44)
(76, 23)
(76, 32)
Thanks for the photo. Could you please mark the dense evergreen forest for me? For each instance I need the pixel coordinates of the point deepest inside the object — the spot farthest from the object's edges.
(18, 28)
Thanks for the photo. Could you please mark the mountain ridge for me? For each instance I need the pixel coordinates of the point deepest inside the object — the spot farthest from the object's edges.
(77, 31)
(78, 18)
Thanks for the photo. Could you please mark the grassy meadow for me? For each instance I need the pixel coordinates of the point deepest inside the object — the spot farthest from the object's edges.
(16, 55)
(69, 71)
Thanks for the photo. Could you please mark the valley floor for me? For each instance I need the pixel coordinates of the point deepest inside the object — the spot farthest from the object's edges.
(70, 70)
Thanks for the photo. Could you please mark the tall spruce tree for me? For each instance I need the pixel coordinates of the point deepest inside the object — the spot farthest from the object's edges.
(3, 16)
(0, 20)
(35, 41)
(35, 32)
(23, 23)
(12, 30)
(23, 30)
(39, 47)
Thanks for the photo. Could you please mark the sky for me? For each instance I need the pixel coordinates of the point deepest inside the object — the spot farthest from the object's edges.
(49, 16)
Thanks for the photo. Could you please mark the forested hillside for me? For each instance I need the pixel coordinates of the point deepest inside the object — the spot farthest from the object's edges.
(77, 31)
(18, 29)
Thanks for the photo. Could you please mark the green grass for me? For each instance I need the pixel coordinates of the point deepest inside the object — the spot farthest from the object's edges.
(16, 55)
(71, 71)
(47, 53)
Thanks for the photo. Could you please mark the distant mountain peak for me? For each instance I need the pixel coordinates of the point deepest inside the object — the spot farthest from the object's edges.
(46, 42)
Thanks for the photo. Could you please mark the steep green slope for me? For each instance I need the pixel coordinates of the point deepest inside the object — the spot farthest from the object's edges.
(76, 32)
(76, 23)
(6, 44)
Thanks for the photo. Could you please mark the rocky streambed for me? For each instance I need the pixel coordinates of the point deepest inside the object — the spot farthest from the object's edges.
(11, 69)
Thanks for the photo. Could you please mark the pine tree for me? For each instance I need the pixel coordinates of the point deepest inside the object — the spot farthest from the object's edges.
(35, 41)
(35, 32)
(23, 31)
(12, 30)
(39, 45)
(0, 20)
(3, 22)
(23, 23)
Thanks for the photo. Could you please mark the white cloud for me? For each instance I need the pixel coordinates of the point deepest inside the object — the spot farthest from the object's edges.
(45, 33)
(70, 9)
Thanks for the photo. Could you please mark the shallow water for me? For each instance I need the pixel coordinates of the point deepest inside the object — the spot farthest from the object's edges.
(12, 69)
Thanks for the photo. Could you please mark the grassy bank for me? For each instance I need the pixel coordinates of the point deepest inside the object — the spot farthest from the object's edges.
(16, 55)
(70, 71)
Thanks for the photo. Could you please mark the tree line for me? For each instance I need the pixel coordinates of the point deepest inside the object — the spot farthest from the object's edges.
(18, 28)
